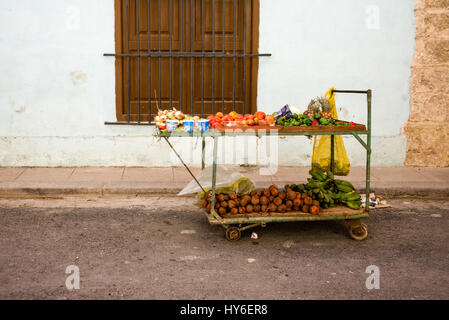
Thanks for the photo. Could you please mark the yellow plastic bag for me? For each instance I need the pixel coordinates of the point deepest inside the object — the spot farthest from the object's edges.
(321, 157)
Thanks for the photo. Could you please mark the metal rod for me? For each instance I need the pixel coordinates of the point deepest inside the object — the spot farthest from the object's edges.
(128, 82)
(202, 59)
(244, 58)
(182, 161)
(350, 91)
(203, 153)
(170, 31)
(213, 58)
(332, 165)
(189, 54)
(138, 59)
(234, 51)
(252, 220)
(368, 151)
(223, 59)
(214, 176)
(159, 40)
(191, 59)
(181, 58)
(149, 60)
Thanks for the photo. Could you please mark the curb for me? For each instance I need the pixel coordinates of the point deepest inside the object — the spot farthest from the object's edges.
(143, 191)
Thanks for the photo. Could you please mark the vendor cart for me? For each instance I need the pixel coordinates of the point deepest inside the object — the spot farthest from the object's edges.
(234, 225)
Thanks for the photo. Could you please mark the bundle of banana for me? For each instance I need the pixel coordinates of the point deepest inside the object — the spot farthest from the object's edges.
(328, 190)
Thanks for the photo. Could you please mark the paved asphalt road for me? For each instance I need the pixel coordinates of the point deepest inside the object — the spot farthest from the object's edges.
(164, 248)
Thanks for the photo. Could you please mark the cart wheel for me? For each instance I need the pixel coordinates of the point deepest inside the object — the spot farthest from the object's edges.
(359, 233)
(233, 234)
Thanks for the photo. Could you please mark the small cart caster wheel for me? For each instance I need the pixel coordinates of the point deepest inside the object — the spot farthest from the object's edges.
(233, 234)
(359, 233)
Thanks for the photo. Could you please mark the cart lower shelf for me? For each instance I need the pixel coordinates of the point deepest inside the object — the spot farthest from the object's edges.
(358, 230)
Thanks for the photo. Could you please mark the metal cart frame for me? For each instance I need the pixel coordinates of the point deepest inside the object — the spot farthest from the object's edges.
(234, 226)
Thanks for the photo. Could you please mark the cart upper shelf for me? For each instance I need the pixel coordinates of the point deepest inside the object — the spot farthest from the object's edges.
(358, 129)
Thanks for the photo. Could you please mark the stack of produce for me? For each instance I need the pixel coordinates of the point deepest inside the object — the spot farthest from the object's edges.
(318, 113)
(235, 119)
(328, 191)
(263, 201)
(164, 115)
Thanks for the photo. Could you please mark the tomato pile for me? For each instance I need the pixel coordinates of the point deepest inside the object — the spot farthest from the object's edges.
(235, 119)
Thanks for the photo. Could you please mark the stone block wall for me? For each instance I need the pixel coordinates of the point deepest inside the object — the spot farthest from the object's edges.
(427, 130)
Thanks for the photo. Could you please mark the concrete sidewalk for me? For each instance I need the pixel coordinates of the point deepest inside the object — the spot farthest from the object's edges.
(146, 181)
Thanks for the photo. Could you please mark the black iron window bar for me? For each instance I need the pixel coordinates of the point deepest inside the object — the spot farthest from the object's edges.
(183, 54)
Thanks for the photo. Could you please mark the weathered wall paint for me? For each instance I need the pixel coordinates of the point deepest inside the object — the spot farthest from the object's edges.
(56, 88)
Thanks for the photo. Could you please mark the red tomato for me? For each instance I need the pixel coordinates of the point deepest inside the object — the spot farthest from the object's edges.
(244, 123)
(228, 118)
(256, 121)
(247, 116)
(260, 115)
(210, 117)
(262, 123)
(269, 117)
(251, 122)
(219, 115)
(233, 114)
(239, 117)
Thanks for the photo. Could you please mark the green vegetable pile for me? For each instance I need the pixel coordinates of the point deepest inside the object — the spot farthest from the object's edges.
(329, 191)
(302, 120)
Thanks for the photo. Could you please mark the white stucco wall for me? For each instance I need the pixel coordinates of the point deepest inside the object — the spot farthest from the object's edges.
(56, 88)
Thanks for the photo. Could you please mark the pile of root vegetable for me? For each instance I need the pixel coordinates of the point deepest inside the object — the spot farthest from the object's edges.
(321, 192)
(263, 201)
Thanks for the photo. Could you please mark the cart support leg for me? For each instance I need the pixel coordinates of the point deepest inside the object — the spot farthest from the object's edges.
(368, 153)
(203, 153)
(332, 166)
(214, 180)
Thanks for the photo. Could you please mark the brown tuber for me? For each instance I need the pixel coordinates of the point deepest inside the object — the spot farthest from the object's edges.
(264, 208)
(255, 200)
(234, 211)
(282, 208)
(266, 193)
(308, 201)
(233, 196)
(274, 190)
(298, 195)
(264, 200)
(222, 211)
(289, 204)
(297, 202)
(250, 208)
(232, 204)
(221, 197)
(257, 208)
(242, 210)
(314, 210)
(244, 202)
(223, 204)
(305, 209)
(291, 195)
(296, 208)
(272, 207)
(282, 195)
(277, 201)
